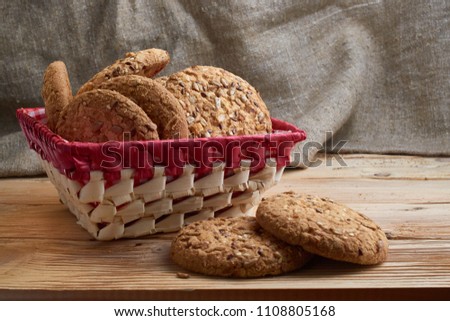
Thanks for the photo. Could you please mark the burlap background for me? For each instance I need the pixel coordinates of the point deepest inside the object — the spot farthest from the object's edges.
(375, 73)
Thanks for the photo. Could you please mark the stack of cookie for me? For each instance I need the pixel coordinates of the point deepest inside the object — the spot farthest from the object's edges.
(287, 230)
(123, 102)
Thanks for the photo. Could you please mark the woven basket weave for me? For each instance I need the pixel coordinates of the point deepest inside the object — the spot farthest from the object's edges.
(135, 188)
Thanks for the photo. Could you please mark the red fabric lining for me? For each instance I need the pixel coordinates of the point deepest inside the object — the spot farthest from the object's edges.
(77, 159)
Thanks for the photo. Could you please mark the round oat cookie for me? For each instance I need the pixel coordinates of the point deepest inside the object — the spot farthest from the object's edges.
(219, 103)
(103, 115)
(56, 91)
(146, 63)
(234, 247)
(323, 227)
(156, 101)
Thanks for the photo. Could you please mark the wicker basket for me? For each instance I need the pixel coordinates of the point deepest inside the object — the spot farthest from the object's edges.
(136, 188)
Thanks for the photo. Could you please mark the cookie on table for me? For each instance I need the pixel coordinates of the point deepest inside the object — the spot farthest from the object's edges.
(323, 227)
(146, 63)
(156, 101)
(234, 247)
(56, 91)
(104, 115)
(218, 103)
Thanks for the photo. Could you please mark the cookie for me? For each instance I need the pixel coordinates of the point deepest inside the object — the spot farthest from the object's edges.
(323, 227)
(103, 115)
(156, 101)
(145, 63)
(219, 103)
(234, 247)
(56, 91)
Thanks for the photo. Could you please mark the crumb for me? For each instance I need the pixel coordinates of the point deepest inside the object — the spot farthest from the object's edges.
(181, 275)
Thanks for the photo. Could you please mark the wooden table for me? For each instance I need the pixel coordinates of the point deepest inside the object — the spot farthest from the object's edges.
(44, 254)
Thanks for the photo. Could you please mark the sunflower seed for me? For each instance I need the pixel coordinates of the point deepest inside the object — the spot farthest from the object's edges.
(195, 86)
(260, 116)
(190, 120)
(218, 103)
(261, 127)
(117, 129)
(151, 126)
(116, 72)
(224, 82)
(97, 125)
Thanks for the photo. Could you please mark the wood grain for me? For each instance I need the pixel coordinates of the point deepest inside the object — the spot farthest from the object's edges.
(44, 254)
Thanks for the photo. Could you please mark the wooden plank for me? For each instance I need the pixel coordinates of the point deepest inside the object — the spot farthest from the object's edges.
(401, 221)
(48, 221)
(33, 191)
(384, 167)
(145, 264)
(362, 190)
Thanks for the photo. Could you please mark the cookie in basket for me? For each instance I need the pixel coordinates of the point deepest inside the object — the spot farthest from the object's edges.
(234, 247)
(157, 102)
(102, 115)
(146, 63)
(218, 103)
(323, 227)
(56, 91)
